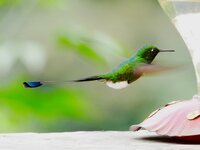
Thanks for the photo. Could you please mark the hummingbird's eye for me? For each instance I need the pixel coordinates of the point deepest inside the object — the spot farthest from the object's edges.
(154, 49)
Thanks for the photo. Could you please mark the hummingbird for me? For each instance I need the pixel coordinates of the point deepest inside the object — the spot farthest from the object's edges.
(124, 74)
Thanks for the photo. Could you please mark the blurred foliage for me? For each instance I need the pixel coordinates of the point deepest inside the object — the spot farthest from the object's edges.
(97, 47)
(81, 46)
(49, 2)
(6, 3)
(43, 105)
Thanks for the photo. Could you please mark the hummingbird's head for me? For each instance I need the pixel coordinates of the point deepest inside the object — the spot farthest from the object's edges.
(150, 52)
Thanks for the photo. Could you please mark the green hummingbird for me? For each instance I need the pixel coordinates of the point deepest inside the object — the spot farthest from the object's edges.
(125, 73)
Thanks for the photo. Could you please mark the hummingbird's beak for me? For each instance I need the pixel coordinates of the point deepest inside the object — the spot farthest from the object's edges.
(167, 50)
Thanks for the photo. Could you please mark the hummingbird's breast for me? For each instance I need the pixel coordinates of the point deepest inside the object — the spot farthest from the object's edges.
(125, 71)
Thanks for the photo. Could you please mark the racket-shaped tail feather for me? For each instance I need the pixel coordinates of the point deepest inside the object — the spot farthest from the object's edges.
(35, 84)
(32, 84)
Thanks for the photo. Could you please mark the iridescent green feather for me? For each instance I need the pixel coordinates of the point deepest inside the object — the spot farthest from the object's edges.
(125, 70)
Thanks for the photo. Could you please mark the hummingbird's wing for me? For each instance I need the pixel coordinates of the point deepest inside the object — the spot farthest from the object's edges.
(143, 69)
(150, 69)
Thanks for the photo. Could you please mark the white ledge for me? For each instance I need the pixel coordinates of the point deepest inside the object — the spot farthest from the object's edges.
(96, 140)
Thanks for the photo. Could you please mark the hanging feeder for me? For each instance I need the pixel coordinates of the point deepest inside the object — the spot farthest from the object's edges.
(180, 119)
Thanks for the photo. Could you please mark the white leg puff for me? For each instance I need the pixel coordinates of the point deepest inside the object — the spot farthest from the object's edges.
(117, 85)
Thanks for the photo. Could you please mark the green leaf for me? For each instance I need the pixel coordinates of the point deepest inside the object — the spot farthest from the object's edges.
(49, 3)
(80, 46)
(42, 105)
(6, 3)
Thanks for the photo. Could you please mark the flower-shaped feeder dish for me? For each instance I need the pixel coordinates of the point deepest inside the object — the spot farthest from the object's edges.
(179, 119)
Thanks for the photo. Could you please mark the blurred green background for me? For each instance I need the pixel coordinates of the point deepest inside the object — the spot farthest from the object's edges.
(71, 39)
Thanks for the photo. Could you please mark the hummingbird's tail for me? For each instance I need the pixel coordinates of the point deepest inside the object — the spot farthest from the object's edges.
(92, 78)
(34, 84)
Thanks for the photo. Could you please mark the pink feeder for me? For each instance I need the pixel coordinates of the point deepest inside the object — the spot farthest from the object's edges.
(180, 119)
